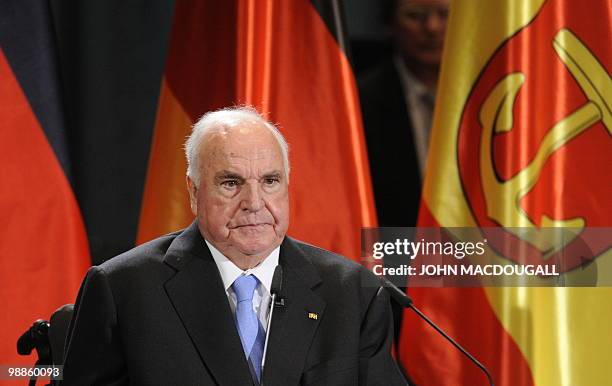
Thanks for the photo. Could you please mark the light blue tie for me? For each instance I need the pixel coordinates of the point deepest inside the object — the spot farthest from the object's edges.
(250, 330)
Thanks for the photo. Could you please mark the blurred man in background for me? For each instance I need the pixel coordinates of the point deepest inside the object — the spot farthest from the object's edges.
(397, 101)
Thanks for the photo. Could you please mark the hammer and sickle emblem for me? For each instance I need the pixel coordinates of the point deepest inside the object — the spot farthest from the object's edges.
(496, 117)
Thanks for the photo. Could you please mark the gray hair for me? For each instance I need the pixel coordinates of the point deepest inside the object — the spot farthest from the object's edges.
(217, 121)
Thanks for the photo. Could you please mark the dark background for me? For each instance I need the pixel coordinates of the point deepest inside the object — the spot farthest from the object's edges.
(112, 55)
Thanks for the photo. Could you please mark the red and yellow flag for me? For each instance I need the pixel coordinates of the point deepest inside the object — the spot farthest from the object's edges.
(521, 138)
(282, 58)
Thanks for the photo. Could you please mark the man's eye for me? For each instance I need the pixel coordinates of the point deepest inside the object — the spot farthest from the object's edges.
(271, 180)
(229, 183)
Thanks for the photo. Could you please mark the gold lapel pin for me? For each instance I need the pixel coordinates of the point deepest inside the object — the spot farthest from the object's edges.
(312, 315)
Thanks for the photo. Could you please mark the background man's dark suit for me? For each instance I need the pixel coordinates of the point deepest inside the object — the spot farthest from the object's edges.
(391, 150)
(158, 315)
(396, 180)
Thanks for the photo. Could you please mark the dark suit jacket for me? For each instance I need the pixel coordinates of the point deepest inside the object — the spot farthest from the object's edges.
(159, 315)
(391, 150)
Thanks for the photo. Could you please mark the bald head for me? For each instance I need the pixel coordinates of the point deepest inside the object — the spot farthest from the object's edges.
(243, 120)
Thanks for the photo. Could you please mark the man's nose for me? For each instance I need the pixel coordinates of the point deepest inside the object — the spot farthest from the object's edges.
(435, 22)
(252, 199)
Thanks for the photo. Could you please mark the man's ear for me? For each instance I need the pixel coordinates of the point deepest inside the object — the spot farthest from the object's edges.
(193, 194)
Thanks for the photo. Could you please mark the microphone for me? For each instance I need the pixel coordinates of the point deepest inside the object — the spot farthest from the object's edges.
(404, 300)
(277, 300)
(276, 286)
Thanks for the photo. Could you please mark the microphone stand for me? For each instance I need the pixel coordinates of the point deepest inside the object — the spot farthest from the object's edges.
(265, 350)
(275, 290)
(404, 300)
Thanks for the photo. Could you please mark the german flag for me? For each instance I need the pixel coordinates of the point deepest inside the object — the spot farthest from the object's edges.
(521, 138)
(43, 245)
(287, 59)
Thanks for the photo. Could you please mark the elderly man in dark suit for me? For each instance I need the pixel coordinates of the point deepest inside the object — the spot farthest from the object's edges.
(191, 308)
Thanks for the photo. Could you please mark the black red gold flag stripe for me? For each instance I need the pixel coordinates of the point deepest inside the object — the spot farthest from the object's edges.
(281, 57)
(43, 245)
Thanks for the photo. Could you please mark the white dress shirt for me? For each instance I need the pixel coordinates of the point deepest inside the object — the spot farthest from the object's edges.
(263, 272)
(419, 101)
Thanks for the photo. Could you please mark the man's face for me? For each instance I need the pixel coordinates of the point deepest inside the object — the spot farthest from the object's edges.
(419, 27)
(242, 202)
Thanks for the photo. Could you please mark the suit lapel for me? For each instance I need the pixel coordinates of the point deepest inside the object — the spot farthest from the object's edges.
(292, 328)
(198, 296)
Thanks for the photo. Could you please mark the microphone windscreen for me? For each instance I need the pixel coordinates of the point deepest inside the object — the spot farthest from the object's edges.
(397, 294)
(277, 281)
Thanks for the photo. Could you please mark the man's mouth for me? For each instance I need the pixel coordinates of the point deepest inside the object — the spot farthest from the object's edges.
(250, 225)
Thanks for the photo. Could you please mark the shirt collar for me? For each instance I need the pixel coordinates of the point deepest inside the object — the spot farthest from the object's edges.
(230, 271)
(410, 82)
